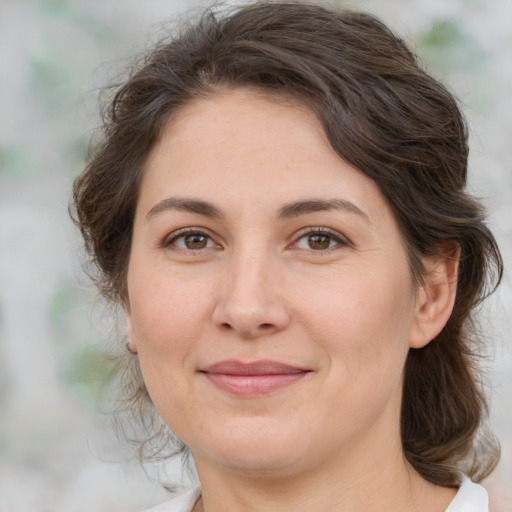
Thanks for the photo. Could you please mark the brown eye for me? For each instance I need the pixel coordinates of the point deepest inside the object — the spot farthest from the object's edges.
(191, 241)
(319, 242)
(321, 239)
(196, 241)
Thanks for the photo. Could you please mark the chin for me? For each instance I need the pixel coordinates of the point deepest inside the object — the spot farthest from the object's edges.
(257, 452)
(260, 463)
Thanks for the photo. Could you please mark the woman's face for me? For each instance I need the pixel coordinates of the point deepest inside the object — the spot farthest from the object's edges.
(270, 298)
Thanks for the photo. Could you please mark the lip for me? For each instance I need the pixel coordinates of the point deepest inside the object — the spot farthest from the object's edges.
(254, 378)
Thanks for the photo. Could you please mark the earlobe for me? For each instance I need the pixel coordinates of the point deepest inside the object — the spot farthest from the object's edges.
(131, 345)
(436, 297)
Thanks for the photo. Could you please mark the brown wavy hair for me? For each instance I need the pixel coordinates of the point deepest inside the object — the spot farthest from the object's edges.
(383, 114)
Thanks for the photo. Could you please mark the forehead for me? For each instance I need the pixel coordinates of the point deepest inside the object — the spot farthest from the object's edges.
(246, 146)
(241, 118)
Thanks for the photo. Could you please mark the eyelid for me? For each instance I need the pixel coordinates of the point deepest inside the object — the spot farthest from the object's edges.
(167, 241)
(341, 239)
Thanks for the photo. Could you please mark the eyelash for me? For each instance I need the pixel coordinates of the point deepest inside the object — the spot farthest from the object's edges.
(341, 241)
(170, 241)
(334, 236)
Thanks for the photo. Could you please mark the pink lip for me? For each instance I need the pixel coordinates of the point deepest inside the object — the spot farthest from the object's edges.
(250, 379)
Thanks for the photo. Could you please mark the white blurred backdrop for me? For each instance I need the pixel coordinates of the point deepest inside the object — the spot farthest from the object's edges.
(57, 451)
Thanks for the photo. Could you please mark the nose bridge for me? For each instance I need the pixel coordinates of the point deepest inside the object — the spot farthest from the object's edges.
(250, 301)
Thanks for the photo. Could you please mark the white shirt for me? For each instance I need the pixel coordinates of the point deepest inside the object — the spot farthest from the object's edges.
(183, 502)
(470, 498)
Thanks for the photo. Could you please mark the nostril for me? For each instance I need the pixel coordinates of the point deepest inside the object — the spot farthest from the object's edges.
(266, 327)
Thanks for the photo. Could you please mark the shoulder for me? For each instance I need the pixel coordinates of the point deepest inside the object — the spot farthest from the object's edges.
(183, 502)
(471, 497)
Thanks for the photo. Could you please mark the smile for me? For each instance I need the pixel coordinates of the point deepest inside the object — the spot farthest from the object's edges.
(252, 379)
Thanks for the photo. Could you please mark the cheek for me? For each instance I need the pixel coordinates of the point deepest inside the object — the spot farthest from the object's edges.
(363, 321)
(164, 324)
(166, 312)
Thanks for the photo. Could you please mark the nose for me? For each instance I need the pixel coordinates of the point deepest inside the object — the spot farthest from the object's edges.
(251, 300)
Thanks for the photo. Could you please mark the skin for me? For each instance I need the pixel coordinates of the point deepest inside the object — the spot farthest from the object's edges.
(329, 291)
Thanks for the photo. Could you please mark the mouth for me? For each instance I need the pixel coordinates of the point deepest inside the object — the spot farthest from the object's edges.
(253, 379)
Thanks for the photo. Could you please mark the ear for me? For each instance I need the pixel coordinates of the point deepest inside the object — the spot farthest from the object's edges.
(436, 297)
(131, 345)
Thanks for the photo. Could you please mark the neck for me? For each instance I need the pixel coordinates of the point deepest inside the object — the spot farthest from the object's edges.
(381, 481)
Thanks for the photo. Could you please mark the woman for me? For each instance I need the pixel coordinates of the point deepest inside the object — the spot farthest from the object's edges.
(279, 206)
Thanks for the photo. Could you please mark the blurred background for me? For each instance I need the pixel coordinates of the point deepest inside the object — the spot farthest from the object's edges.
(57, 450)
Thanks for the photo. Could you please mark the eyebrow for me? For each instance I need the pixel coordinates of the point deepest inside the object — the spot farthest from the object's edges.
(185, 205)
(299, 208)
(288, 211)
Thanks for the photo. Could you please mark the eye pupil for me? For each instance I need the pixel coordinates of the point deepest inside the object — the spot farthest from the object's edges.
(196, 241)
(319, 242)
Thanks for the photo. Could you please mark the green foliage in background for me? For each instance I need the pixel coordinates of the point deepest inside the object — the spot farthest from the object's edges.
(17, 162)
(85, 363)
(455, 57)
(448, 48)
